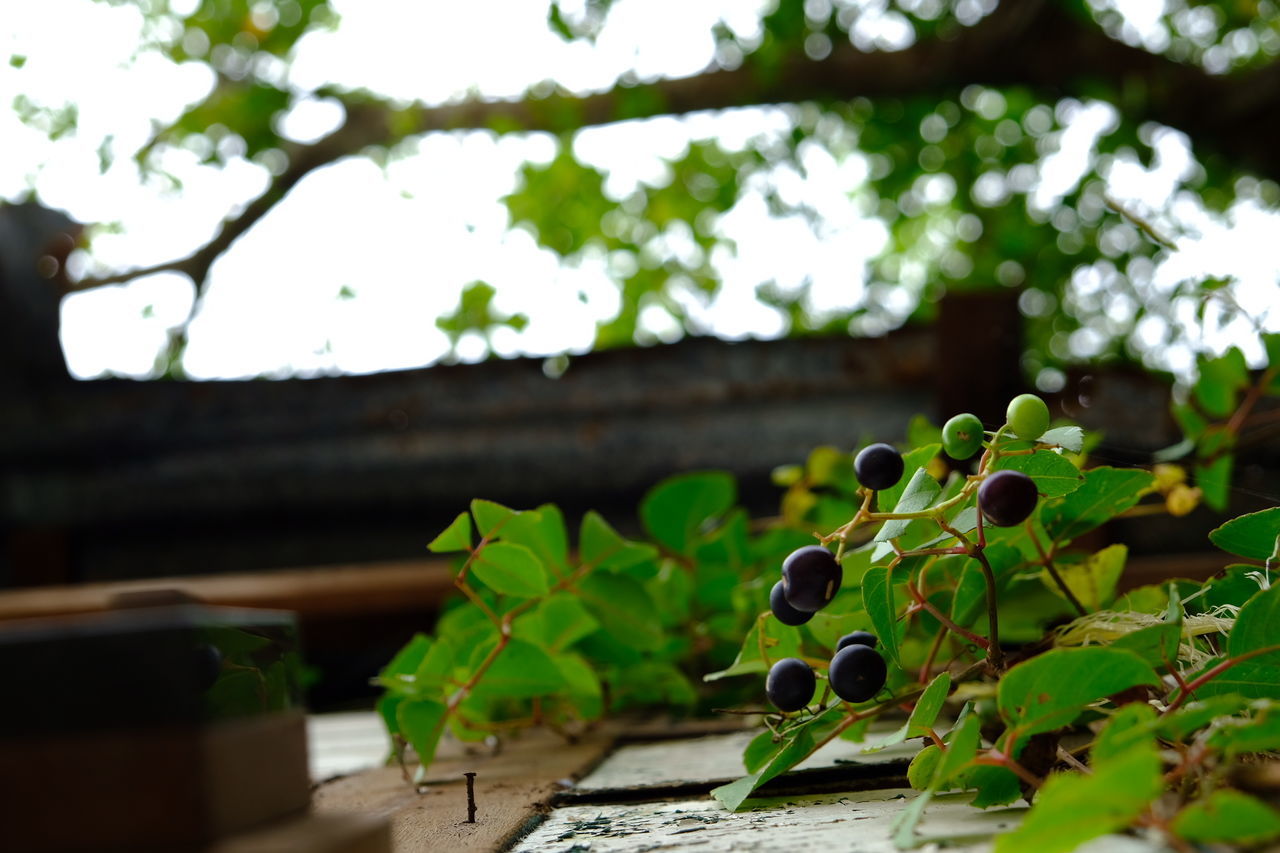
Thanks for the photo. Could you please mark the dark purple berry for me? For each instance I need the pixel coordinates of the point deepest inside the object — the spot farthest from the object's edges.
(1007, 498)
(857, 673)
(784, 612)
(857, 638)
(878, 466)
(790, 684)
(810, 578)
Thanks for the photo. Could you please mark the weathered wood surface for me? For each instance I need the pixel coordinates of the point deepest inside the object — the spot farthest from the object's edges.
(514, 789)
(617, 790)
(669, 767)
(858, 821)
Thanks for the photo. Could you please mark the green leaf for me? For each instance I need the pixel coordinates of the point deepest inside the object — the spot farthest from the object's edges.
(1093, 580)
(791, 752)
(1053, 474)
(1220, 378)
(652, 684)
(408, 658)
(996, 786)
(1069, 438)
(1051, 690)
(1230, 817)
(903, 828)
(420, 721)
(1255, 536)
(675, 510)
(542, 531)
(970, 596)
(455, 537)
(1233, 586)
(624, 609)
(582, 685)
(923, 715)
(913, 460)
(759, 751)
(1240, 735)
(520, 670)
(1214, 480)
(511, 569)
(780, 642)
(1105, 493)
(1195, 715)
(433, 672)
(1116, 793)
(1155, 644)
(921, 769)
(601, 546)
(556, 623)
(387, 706)
(1132, 727)
(962, 748)
(919, 495)
(490, 516)
(928, 706)
(877, 600)
(1256, 626)
(1254, 629)
(1190, 421)
(1271, 343)
(1250, 679)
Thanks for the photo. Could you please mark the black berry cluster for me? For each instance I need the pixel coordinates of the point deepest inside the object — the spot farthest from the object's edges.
(857, 673)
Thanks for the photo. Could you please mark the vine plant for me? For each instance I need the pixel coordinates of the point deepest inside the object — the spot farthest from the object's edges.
(1008, 649)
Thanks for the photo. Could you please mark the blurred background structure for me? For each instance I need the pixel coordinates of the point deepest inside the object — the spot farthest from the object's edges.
(455, 234)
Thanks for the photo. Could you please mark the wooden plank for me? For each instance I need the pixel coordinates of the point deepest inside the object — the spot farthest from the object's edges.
(363, 588)
(825, 822)
(705, 762)
(313, 834)
(514, 788)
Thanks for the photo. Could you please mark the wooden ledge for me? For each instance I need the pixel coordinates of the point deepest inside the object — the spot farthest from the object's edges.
(326, 590)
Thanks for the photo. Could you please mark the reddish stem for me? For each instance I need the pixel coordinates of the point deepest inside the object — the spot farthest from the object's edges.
(1213, 673)
(981, 642)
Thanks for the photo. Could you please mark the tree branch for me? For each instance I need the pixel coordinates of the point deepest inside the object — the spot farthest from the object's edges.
(1031, 43)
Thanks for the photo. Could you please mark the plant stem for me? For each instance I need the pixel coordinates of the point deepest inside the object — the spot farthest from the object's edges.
(1213, 673)
(1047, 562)
(926, 605)
(927, 669)
(1251, 399)
(995, 758)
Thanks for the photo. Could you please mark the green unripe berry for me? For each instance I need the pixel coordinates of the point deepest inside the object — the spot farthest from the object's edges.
(1028, 416)
(962, 436)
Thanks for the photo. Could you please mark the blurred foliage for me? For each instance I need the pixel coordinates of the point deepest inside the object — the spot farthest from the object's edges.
(956, 175)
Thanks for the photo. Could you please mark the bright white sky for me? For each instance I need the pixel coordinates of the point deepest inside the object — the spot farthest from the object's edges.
(406, 240)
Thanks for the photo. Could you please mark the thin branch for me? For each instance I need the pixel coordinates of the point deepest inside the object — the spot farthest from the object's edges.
(1029, 43)
(1047, 562)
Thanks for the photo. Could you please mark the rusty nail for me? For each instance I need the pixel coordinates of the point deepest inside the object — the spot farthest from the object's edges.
(471, 797)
